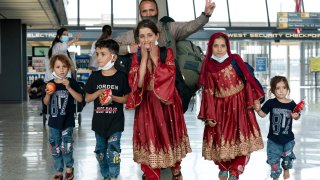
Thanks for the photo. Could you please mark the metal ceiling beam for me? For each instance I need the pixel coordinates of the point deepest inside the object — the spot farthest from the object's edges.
(36, 14)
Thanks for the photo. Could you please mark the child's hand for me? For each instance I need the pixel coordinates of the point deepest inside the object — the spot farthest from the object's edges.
(295, 115)
(210, 123)
(66, 82)
(105, 96)
(101, 91)
(257, 106)
(49, 92)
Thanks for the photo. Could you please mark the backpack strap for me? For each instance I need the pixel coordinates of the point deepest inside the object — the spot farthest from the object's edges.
(237, 68)
(251, 71)
(169, 37)
(163, 54)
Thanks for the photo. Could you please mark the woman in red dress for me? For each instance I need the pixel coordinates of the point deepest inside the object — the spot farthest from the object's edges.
(160, 138)
(231, 131)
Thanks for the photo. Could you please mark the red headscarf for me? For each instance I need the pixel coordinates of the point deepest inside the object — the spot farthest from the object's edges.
(210, 65)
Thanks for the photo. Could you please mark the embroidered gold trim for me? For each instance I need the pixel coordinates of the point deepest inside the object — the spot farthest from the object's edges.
(161, 157)
(228, 150)
(227, 72)
(230, 91)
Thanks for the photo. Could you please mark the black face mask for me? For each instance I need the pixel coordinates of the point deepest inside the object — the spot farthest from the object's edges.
(151, 18)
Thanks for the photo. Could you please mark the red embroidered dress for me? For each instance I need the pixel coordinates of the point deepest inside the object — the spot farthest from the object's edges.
(228, 102)
(159, 135)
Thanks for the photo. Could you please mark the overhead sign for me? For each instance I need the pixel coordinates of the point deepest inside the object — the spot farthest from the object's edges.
(314, 64)
(261, 64)
(292, 20)
(271, 35)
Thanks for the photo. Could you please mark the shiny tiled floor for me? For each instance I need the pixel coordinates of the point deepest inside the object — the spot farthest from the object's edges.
(24, 153)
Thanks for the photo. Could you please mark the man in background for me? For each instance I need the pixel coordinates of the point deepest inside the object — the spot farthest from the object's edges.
(179, 30)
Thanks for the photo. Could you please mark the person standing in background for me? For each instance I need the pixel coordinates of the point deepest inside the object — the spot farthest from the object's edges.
(179, 30)
(106, 34)
(60, 45)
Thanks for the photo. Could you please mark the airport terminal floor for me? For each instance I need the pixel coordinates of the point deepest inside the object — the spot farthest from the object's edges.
(25, 155)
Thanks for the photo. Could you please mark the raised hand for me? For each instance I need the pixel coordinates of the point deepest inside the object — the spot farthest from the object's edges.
(210, 6)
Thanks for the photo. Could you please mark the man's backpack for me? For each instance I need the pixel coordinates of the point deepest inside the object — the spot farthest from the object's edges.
(251, 70)
(188, 56)
(123, 63)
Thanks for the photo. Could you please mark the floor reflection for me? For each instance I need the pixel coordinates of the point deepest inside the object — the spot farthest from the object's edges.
(24, 152)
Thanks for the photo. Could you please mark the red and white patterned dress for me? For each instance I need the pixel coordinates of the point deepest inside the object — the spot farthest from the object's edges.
(160, 136)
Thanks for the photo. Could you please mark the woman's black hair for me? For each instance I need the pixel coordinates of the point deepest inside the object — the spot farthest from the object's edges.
(146, 24)
(56, 40)
(106, 33)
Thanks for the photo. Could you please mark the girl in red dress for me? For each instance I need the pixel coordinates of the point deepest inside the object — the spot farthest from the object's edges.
(160, 138)
(231, 131)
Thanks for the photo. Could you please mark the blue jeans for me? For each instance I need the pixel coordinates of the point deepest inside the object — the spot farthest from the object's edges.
(108, 155)
(276, 152)
(61, 146)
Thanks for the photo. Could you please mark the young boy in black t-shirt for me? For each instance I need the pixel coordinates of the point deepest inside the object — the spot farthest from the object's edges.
(280, 138)
(109, 89)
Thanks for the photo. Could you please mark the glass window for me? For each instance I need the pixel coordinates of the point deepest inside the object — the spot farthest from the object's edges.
(181, 10)
(219, 16)
(278, 60)
(311, 5)
(91, 14)
(248, 13)
(124, 15)
(71, 11)
(276, 6)
(294, 64)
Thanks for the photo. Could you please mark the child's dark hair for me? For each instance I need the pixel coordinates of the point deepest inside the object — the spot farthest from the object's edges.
(110, 44)
(61, 57)
(275, 80)
(146, 24)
